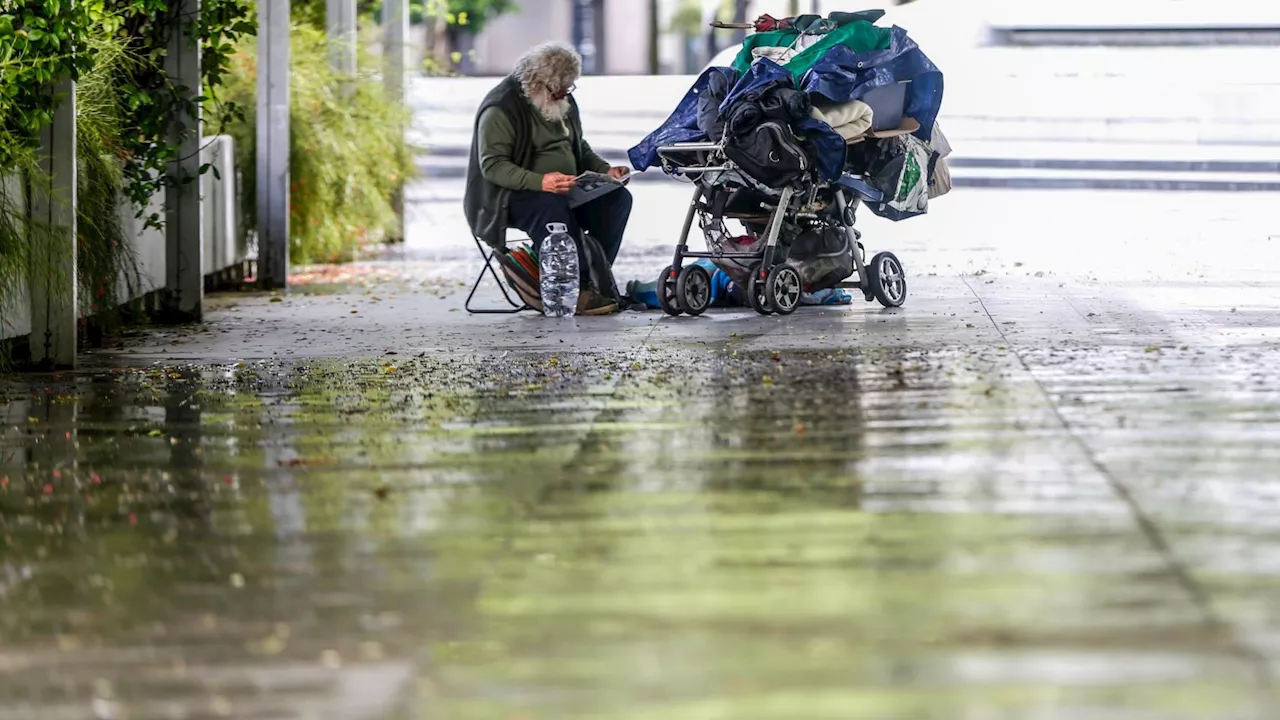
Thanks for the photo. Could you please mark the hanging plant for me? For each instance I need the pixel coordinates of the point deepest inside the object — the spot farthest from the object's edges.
(37, 43)
(127, 106)
(159, 103)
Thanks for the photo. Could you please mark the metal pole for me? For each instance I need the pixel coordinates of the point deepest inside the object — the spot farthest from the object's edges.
(183, 299)
(340, 16)
(52, 283)
(395, 47)
(273, 143)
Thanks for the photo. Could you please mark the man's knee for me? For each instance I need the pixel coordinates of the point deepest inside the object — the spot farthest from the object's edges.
(622, 200)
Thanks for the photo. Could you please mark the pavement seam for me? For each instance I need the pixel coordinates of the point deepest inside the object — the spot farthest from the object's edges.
(1182, 574)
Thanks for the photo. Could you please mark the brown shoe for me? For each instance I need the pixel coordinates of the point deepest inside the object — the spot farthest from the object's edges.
(591, 302)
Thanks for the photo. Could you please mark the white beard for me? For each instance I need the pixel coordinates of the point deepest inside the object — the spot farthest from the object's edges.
(552, 110)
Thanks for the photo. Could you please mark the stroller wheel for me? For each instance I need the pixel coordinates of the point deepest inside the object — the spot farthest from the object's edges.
(756, 296)
(783, 288)
(693, 290)
(667, 291)
(887, 279)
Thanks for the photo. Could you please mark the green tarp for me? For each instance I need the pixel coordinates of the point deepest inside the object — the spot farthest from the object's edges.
(857, 36)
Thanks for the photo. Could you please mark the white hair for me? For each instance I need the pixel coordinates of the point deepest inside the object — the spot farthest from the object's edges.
(546, 69)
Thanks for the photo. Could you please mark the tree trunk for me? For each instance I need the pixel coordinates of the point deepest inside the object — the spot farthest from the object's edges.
(740, 16)
(440, 32)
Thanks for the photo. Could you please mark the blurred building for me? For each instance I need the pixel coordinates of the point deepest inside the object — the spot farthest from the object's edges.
(612, 35)
(615, 36)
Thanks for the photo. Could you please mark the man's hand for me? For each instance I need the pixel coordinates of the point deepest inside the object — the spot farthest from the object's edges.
(557, 183)
(619, 172)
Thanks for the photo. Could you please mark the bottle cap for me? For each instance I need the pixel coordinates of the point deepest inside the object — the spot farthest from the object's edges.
(557, 228)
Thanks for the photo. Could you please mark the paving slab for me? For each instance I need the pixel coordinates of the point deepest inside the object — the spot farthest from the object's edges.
(1044, 488)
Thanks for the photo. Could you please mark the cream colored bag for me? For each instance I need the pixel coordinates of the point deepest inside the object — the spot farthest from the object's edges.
(940, 181)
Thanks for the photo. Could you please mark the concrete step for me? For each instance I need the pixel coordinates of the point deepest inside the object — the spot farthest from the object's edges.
(1230, 169)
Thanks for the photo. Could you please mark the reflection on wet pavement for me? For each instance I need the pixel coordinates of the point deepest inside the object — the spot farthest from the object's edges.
(876, 534)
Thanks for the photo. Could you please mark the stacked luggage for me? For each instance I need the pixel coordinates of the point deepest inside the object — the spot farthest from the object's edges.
(835, 95)
(816, 116)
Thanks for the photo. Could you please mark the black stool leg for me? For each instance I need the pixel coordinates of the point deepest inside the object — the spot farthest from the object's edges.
(515, 306)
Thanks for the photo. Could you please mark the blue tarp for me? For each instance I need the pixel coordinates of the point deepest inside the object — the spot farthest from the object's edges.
(680, 126)
(829, 146)
(840, 76)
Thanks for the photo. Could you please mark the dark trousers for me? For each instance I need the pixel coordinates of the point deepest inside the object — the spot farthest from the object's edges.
(604, 218)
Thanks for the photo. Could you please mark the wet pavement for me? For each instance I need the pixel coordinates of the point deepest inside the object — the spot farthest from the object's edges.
(1046, 488)
(1018, 497)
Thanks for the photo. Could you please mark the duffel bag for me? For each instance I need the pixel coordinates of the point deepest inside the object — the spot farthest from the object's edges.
(771, 154)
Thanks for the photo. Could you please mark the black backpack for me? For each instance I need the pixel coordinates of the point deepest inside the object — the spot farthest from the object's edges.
(771, 154)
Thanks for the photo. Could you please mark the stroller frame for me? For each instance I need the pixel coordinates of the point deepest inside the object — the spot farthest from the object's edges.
(774, 284)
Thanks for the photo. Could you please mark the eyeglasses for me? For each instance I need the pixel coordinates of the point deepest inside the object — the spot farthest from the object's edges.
(564, 93)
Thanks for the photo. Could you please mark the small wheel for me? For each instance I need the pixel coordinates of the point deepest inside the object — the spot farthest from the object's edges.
(693, 290)
(667, 291)
(887, 279)
(756, 296)
(783, 288)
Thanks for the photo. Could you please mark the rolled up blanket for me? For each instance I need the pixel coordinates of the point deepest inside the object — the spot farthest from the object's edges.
(743, 117)
(850, 120)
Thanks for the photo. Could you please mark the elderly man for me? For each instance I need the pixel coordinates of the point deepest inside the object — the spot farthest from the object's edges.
(525, 153)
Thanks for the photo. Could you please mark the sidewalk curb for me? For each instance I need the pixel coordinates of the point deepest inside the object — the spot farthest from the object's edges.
(962, 161)
(970, 175)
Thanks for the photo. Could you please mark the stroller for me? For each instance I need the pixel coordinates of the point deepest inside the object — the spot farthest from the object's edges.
(748, 140)
(798, 238)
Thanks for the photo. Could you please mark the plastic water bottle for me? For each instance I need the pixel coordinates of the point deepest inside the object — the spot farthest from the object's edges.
(559, 272)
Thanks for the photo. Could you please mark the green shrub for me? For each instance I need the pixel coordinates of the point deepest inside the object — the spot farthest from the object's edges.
(125, 109)
(348, 150)
(104, 256)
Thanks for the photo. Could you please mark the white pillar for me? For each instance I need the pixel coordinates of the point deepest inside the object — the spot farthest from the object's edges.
(395, 45)
(52, 283)
(340, 18)
(184, 226)
(395, 20)
(273, 143)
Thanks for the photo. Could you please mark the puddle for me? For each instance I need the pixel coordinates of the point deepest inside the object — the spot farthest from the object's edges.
(694, 535)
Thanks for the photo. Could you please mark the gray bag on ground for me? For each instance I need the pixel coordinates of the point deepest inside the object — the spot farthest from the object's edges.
(599, 274)
(824, 258)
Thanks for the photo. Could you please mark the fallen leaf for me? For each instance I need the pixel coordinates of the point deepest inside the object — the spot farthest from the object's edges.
(308, 462)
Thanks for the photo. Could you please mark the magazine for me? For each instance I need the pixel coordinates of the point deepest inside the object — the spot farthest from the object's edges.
(591, 185)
